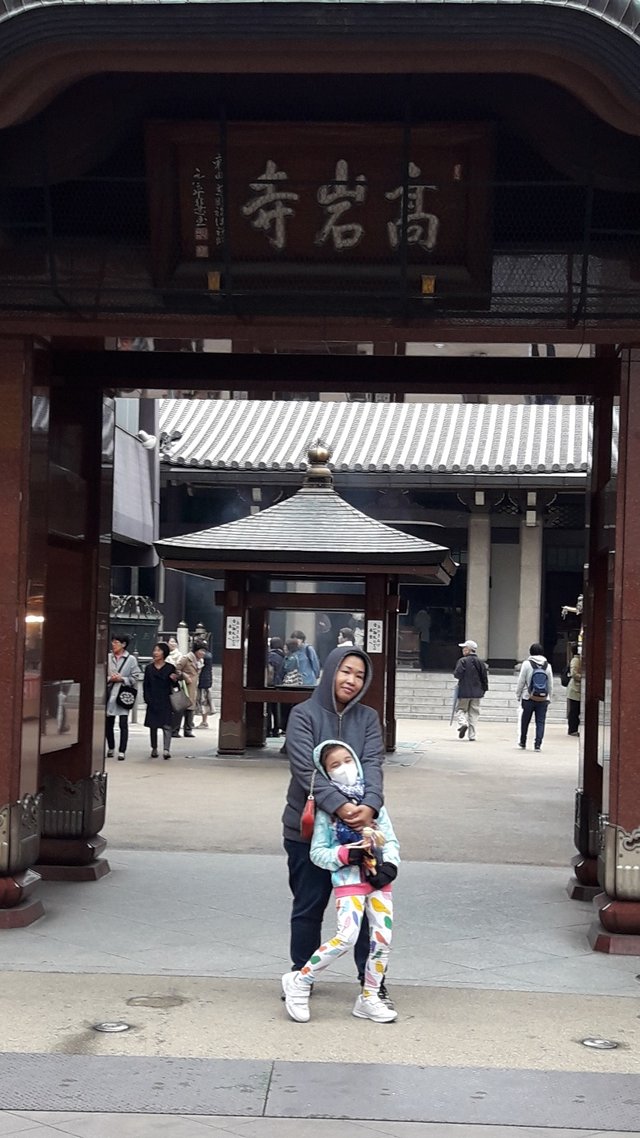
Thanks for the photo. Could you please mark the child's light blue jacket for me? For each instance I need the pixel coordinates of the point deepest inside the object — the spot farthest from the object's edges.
(325, 844)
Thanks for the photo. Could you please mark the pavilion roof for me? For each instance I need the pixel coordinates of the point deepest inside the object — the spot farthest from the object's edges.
(312, 527)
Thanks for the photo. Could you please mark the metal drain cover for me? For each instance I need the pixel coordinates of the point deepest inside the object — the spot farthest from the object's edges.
(112, 1026)
(600, 1044)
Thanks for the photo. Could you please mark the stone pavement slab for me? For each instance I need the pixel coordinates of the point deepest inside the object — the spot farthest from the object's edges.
(43, 1124)
(226, 915)
(201, 1017)
(365, 1091)
(450, 800)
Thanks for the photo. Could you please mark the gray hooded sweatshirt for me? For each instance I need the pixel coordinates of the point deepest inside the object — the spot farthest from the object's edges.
(317, 719)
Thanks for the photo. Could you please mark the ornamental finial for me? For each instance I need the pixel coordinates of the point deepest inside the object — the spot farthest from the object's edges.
(318, 472)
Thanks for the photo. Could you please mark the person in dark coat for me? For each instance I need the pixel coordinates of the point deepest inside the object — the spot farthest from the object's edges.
(334, 711)
(159, 675)
(275, 677)
(473, 681)
(205, 682)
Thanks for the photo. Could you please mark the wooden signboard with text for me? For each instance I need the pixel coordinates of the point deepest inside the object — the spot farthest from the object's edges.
(320, 202)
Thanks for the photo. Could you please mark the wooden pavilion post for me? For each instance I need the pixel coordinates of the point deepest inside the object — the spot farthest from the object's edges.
(256, 663)
(392, 655)
(232, 731)
(375, 641)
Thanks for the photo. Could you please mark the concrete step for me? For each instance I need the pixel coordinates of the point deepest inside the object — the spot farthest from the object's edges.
(428, 695)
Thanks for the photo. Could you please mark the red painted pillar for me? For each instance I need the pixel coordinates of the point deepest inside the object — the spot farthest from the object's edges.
(618, 930)
(584, 885)
(20, 803)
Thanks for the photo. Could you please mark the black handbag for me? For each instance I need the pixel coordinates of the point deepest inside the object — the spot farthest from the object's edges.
(125, 696)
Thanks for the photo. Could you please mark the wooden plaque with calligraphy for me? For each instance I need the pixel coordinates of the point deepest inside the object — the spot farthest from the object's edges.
(321, 207)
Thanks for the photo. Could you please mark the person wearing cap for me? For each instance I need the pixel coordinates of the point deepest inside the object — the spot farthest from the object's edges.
(473, 681)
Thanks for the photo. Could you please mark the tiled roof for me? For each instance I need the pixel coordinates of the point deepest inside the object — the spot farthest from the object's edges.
(399, 437)
(314, 524)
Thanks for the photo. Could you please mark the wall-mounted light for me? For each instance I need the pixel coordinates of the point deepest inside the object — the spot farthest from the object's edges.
(148, 441)
(31, 618)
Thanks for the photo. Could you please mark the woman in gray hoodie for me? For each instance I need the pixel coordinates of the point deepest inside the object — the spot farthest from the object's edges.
(334, 711)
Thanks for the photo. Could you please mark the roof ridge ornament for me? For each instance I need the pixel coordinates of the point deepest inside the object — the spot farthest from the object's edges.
(318, 474)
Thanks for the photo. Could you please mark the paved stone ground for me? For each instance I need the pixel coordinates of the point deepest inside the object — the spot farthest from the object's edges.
(186, 938)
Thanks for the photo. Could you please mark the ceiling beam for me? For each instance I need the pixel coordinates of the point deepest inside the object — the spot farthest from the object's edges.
(451, 375)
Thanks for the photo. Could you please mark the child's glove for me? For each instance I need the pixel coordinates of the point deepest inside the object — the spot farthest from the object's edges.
(384, 875)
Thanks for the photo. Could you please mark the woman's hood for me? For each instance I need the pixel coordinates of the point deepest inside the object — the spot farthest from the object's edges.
(317, 754)
(324, 693)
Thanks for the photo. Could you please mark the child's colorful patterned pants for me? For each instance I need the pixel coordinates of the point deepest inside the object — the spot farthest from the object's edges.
(379, 909)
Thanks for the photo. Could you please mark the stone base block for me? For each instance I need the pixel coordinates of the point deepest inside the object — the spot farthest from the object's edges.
(17, 908)
(22, 915)
(579, 892)
(616, 944)
(70, 851)
(92, 872)
(618, 929)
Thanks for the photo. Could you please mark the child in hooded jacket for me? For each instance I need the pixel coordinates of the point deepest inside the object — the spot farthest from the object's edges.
(362, 876)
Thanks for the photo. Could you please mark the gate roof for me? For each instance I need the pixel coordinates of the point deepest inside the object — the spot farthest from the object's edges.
(448, 438)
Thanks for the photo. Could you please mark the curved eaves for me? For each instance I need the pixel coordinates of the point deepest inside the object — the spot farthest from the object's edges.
(603, 36)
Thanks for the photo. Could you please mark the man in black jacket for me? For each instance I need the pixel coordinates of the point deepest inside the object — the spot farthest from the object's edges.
(473, 681)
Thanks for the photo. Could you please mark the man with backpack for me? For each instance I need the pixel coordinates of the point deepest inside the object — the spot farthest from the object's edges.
(534, 688)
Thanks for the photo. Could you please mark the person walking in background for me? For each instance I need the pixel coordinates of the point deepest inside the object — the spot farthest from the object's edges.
(298, 673)
(346, 636)
(573, 692)
(123, 671)
(275, 677)
(205, 681)
(159, 675)
(534, 688)
(175, 657)
(190, 666)
(473, 681)
(310, 664)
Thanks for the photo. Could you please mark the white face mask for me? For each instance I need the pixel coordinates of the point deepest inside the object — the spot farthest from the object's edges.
(346, 774)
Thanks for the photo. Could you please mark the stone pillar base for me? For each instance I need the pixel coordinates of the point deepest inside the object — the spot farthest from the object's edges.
(72, 859)
(584, 886)
(618, 929)
(578, 892)
(17, 908)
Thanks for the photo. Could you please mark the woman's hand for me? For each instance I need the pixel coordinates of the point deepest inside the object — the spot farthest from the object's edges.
(116, 678)
(173, 676)
(356, 816)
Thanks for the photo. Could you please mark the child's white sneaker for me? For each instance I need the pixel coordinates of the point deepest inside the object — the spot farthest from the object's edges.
(296, 997)
(372, 1007)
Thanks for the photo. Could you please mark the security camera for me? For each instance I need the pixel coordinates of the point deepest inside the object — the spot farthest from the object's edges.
(148, 441)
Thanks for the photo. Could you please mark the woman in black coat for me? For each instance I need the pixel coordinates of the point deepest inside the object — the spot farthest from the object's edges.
(158, 679)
